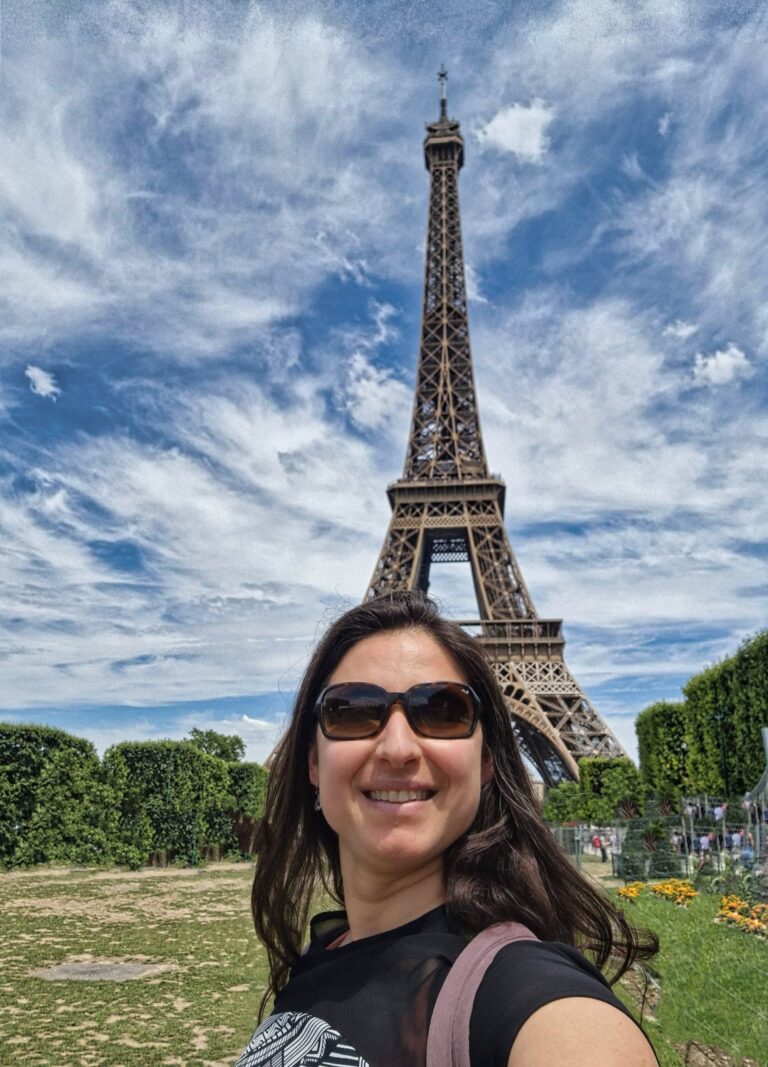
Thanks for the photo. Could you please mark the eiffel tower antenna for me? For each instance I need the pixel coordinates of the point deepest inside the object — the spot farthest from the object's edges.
(442, 77)
(447, 507)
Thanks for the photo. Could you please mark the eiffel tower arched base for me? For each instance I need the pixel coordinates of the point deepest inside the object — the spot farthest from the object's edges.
(540, 753)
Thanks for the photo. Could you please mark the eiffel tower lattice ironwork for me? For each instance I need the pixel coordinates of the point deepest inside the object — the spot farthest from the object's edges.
(447, 507)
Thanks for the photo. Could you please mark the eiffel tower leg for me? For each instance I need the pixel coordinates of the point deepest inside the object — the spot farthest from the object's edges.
(567, 709)
(501, 591)
(398, 563)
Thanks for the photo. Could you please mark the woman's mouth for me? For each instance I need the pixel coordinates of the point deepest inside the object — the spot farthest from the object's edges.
(399, 796)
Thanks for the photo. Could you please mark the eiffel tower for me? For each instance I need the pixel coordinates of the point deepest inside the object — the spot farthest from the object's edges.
(447, 507)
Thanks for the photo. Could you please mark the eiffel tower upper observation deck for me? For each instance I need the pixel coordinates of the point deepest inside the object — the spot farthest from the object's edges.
(447, 507)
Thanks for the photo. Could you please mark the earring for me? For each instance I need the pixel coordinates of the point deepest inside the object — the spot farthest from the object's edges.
(318, 805)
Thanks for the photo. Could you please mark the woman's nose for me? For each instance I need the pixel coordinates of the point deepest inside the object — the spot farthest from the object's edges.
(397, 742)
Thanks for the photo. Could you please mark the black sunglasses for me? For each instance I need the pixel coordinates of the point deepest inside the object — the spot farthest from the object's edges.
(349, 711)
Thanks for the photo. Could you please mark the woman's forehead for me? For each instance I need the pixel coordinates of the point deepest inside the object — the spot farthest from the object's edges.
(398, 659)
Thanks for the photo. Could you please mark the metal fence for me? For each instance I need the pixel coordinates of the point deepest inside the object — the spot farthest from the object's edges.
(707, 835)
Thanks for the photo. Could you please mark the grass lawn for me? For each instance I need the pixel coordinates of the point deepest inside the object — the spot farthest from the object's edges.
(200, 1010)
(713, 981)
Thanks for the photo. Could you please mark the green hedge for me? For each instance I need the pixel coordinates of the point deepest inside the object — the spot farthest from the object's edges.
(60, 803)
(174, 795)
(248, 786)
(25, 752)
(719, 722)
(660, 739)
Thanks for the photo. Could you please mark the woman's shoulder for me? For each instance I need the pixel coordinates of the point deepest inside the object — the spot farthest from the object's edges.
(522, 978)
(538, 964)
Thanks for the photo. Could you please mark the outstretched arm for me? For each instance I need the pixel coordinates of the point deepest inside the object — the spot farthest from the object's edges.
(580, 1032)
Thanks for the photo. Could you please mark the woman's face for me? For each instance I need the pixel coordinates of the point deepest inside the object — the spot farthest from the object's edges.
(383, 835)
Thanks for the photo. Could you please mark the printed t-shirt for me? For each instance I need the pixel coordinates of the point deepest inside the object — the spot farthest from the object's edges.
(368, 1003)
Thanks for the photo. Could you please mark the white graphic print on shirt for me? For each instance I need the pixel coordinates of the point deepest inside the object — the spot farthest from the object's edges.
(294, 1039)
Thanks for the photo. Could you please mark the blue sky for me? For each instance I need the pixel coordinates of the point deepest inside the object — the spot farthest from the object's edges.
(210, 270)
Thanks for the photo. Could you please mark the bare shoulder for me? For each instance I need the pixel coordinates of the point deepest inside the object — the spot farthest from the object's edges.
(581, 1032)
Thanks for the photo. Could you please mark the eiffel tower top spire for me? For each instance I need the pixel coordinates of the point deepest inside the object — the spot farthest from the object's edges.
(445, 441)
(442, 77)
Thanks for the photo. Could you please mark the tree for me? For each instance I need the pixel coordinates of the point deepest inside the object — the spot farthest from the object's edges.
(228, 747)
(564, 803)
(613, 788)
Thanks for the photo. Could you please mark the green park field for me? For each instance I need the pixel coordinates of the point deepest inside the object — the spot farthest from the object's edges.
(197, 1007)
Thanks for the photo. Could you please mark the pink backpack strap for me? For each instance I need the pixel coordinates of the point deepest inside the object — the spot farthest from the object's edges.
(448, 1038)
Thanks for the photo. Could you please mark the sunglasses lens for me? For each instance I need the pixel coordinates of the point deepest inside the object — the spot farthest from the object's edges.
(443, 711)
(352, 710)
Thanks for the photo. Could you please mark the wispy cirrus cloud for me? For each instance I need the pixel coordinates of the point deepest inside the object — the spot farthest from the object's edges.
(125, 199)
(214, 222)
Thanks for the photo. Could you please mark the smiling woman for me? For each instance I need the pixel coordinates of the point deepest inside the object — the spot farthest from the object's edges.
(398, 788)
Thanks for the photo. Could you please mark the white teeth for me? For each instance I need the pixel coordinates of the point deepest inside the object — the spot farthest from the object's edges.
(399, 796)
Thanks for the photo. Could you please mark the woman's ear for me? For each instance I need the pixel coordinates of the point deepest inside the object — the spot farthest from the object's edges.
(486, 767)
(312, 763)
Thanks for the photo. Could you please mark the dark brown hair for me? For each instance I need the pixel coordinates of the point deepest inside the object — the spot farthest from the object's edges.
(505, 867)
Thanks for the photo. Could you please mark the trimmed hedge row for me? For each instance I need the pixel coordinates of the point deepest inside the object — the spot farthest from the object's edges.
(60, 803)
(607, 789)
(710, 742)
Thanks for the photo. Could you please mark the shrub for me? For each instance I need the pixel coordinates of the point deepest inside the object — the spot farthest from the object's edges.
(25, 750)
(72, 822)
(172, 797)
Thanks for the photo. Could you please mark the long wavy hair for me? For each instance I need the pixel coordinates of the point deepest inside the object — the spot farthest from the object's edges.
(506, 866)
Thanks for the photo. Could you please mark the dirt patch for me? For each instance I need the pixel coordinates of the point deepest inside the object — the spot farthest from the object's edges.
(70, 874)
(644, 990)
(694, 1054)
(89, 969)
(126, 906)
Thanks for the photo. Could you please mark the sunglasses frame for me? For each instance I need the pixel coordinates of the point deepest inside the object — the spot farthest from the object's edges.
(390, 699)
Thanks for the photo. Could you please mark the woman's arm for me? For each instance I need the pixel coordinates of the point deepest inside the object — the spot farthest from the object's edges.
(580, 1032)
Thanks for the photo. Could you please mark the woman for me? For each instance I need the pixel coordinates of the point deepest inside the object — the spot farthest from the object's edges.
(398, 787)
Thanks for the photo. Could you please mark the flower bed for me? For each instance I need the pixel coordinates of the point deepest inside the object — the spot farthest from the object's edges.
(734, 911)
(678, 890)
(737, 912)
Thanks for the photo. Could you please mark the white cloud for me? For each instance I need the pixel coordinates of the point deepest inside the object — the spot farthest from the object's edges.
(580, 418)
(474, 292)
(520, 129)
(721, 367)
(42, 382)
(680, 330)
(247, 529)
(632, 167)
(373, 397)
(265, 165)
(99, 230)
